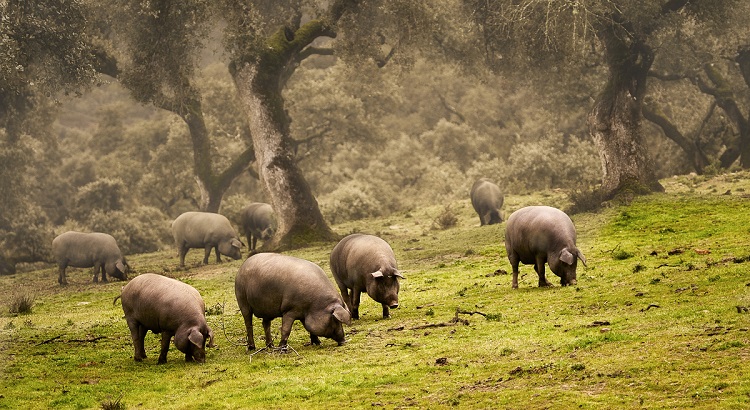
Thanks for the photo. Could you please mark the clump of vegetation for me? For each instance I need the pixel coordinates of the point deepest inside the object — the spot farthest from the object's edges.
(113, 404)
(446, 219)
(620, 254)
(586, 200)
(21, 304)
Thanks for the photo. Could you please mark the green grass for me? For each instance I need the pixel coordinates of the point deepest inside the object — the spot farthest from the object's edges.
(654, 322)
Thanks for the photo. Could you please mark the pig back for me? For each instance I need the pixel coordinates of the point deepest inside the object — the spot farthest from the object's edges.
(160, 303)
(537, 230)
(358, 255)
(272, 284)
(84, 250)
(197, 229)
(486, 195)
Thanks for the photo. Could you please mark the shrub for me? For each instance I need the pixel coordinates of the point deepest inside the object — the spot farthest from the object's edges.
(21, 304)
(446, 219)
(102, 195)
(350, 201)
(145, 229)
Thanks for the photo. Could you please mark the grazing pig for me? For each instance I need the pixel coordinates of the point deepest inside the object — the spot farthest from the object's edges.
(270, 285)
(539, 234)
(85, 250)
(487, 200)
(366, 263)
(258, 222)
(205, 230)
(170, 307)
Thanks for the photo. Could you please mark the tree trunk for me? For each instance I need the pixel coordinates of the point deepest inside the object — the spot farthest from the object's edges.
(259, 83)
(615, 121)
(211, 186)
(723, 93)
(697, 157)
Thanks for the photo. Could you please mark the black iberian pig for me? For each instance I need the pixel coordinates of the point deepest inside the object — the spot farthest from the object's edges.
(487, 199)
(170, 307)
(270, 285)
(85, 250)
(205, 230)
(258, 222)
(366, 263)
(538, 234)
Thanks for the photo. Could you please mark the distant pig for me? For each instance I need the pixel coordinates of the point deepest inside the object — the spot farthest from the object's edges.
(170, 307)
(270, 285)
(258, 222)
(366, 263)
(86, 250)
(539, 234)
(205, 230)
(487, 199)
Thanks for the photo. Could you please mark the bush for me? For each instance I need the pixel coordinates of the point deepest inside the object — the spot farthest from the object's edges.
(21, 304)
(350, 201)
(446, 219)
(145, 229)
(103, 195)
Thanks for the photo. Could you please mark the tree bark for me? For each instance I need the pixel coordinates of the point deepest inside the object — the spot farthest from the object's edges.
(259, 82)
(615, 121)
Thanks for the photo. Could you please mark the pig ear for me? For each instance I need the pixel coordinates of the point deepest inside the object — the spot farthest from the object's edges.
(567, 257)
(399, 274)
(377, 274)
(120, 266)
(581, 257)
(342, 315)
(236, 243)
(196, 337)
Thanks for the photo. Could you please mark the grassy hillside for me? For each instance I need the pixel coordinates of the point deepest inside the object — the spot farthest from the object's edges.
(659, 319)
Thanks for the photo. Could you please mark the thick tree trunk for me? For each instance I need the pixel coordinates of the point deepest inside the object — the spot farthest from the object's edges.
(615, 121)
(299, 217)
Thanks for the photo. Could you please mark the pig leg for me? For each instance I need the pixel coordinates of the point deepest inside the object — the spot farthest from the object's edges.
(267, 330)
(314, 340)
(104, 273)
(207, 250)
(183, 251)
(514, 261)
(355, 303)
(218, 255)
(286, 328)
(345, 295)
(61, 279)
(539, 268)
(138, 334)
(247, 314)
(97, 266)
(165, 339)
(386, 311)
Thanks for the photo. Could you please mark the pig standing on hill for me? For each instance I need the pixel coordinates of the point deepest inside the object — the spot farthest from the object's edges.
(85, 250)
(205, 230)
(270, 285)
(487, 199)
(170, 307)
(258, 222)
(539, 234)
(366, 263)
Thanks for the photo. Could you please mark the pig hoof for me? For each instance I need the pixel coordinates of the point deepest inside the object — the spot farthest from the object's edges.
(251, 347)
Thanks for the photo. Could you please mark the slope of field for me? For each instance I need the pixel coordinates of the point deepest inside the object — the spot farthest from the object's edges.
(659, 319)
